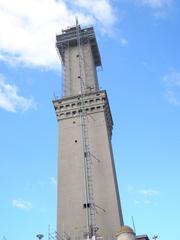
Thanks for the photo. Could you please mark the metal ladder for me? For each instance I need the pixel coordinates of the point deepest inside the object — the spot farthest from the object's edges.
(87, 160)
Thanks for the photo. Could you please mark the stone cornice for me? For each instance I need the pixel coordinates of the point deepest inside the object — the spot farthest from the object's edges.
(71, 107)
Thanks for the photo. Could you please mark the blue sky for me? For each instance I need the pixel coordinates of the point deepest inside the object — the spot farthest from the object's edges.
(139, 45)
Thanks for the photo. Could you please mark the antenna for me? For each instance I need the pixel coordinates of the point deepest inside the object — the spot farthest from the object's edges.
(49, 232)
(77, 21)
(155, 237)
(133, 224)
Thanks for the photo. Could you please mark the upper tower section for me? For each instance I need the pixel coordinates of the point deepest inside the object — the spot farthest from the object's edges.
(80, 56)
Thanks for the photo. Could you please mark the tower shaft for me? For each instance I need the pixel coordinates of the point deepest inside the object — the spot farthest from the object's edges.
(88, 197)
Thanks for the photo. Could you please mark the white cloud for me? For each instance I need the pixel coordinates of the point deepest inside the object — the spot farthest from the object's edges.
(172, 86)
(22, 204)
(10, 100)
(149, 192)
(28, 27)
(101, 9)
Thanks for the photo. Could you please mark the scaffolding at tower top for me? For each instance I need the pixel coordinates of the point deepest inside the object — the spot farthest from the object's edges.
(69, 37)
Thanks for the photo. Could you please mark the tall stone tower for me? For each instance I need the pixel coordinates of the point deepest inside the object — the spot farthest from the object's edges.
(88, 197)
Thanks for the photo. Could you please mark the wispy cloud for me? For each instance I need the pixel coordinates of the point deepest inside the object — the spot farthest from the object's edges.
(22, 204)
(149, 192)
(124, 41)
(130, 188)
(155, 4)
(172, 86)
(28, 38)
(159, 8)
(172, 78)
(53, 180)
(143, 195)
(11, 101)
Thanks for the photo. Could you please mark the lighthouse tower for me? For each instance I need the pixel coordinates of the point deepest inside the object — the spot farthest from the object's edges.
(88, 197)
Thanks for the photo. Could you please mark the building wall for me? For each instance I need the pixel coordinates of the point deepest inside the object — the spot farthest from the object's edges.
(71, 186)
(72, 71)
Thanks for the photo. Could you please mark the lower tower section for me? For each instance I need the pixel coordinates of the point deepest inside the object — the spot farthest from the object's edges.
(72, 219)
